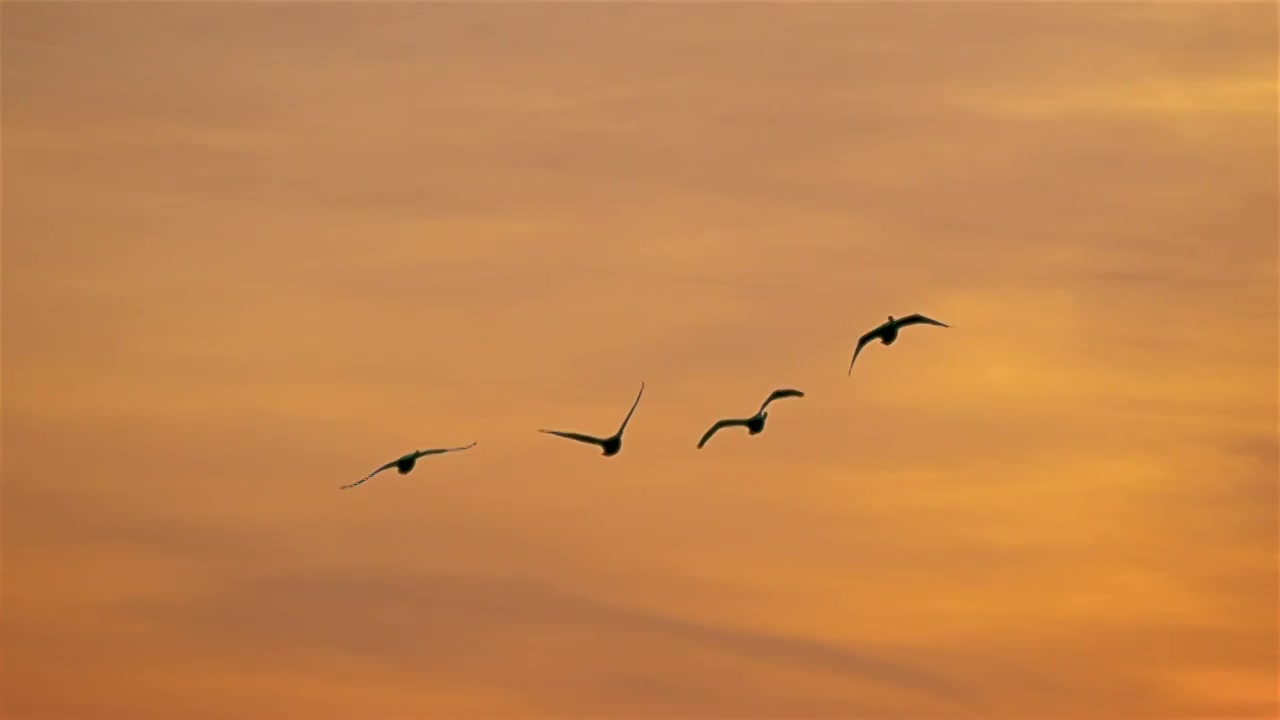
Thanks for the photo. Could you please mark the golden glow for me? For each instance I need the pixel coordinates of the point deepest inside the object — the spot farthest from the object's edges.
(254, 250)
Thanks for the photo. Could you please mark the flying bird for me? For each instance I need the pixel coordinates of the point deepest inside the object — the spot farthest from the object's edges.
(888, 332)
(406, 463)
(611, 445)
(753, 424)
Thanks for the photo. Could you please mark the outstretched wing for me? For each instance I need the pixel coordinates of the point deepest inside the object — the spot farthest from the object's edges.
(780, 394)
(862, 342)
(575, 436)
(366, 477)
(627, 419)
(421, 453)
(918, 319)
(721, 424)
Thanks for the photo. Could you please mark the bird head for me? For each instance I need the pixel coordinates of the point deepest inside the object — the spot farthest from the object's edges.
(890, 318)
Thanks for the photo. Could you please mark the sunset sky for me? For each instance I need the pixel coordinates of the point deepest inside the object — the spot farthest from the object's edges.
(254, 250)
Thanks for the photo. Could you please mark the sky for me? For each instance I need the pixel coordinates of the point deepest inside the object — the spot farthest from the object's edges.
(252, 251)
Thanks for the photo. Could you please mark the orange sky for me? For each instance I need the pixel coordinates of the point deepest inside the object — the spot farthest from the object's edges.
(252, 251)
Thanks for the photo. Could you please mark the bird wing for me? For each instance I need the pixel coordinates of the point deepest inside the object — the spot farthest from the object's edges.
(575, 436)
(720, 424)
(777, 394)
(918, 319)
(627, 419)
(862, 342)
(362, 481)
(421, 453)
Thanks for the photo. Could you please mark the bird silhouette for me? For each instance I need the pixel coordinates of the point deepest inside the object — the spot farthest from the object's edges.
(888, 332)
(611, 445)
(405, 464)
(753, 424)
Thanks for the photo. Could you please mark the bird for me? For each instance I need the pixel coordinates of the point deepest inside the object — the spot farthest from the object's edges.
(406, 463)
(753, 424)
(887, 333)
(611, 445)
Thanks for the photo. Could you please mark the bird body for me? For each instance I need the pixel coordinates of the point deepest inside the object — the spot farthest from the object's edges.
(753, 424)
(609, 446)
(887, 333)
(890, 332)
(405, 463)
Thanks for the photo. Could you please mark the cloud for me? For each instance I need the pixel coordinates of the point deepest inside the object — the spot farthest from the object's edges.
(545, 643)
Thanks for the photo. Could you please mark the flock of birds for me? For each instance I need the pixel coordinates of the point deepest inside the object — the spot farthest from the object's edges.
(886, 333)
